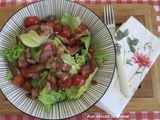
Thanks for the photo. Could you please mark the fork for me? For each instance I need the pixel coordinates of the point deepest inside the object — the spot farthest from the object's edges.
(109, 20)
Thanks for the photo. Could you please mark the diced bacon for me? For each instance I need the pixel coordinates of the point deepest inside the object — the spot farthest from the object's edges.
(48, 49)
(60, 50)
(35, 68)
(63, 75)
(63, 39)
(48, 86)
(84, 33)
(44, 27)
(28, 56)
(52, 79)
(66, 67)
(35, 92)
(22, 62)
(34, 75)
(49, 19)
(46, 30)
(54, 64)
(73, 50)
(15, 71)
(94, 64)
(26, 30)
(51, 83)
(89, 56)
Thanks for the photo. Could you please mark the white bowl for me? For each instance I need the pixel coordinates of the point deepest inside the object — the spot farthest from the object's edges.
(16, 95)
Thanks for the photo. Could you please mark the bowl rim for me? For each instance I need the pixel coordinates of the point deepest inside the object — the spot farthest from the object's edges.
(113, 67)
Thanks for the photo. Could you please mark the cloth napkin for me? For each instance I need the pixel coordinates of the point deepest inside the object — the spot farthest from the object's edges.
(139, 49)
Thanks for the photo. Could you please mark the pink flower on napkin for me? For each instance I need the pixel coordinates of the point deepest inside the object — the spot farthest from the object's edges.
(142, 60)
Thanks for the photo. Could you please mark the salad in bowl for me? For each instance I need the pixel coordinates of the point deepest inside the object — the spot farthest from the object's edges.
(57, 59)
(53, 60)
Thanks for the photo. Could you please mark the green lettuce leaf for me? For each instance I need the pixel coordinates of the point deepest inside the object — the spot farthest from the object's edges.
(81, 58)
(32, 39)
(71, 61)
(99, 54)
(12, 54)
(75, 92)
(50, 98)
(9, 75)
(42, 80)
(57, 42)
(70, 20)
(35, 53)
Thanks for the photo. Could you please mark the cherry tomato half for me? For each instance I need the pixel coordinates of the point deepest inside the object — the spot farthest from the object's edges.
(78, 80)
(31, 20)
(27, 84)
(86, 70)
(58, 27)
(18, 80)
(65, 84)
(66, 33)
(91, 50)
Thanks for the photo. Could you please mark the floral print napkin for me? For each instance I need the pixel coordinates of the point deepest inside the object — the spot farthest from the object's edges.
(139, 49)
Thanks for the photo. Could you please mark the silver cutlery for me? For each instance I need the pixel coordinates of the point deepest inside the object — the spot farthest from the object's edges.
(109, 20)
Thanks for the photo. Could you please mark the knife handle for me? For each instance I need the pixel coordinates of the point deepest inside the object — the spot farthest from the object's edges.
(122, 78)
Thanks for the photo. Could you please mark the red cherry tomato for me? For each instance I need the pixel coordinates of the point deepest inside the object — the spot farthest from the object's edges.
(31, 20)
(91, 50)
(78, 80)
(65, 84)
(24, 72)
(27, 84)
(81, 28)
(58, 27)
(66, 33)
(18, 80)
(86, 70)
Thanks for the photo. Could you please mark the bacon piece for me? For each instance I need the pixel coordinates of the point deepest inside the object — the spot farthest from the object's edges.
(34, 92)
(66, 67)
(51, 81)
(46, 30)
(28, 56)
(49, 19)
(15, 71)
(35, 68)
(63, 39)
(48, 49)
(60, 50)
(54, 64)
(89, 56)
(84, 33)
(94, 64)
(22, 62)
(48, 86)
(26, 30)
(73, 50)
(34, 75)
(63, 75)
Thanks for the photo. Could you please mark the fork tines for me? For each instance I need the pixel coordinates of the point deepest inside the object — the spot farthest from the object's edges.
(109, 15)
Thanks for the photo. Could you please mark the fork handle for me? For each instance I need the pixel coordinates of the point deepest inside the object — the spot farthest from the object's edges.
(122, 78)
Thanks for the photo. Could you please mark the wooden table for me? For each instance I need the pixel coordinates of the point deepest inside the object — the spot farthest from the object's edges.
(147, 97)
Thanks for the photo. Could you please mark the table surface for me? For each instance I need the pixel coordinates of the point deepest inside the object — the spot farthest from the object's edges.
(147, 96)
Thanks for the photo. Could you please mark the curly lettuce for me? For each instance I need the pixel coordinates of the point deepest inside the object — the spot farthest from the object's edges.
(14, 53)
